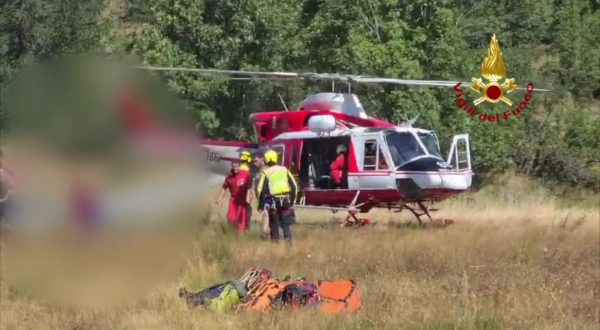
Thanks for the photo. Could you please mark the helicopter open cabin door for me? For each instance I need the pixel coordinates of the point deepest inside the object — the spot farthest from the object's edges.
(459, 155)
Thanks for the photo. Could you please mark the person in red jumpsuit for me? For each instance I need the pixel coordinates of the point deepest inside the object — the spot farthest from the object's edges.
(238, 183)
(337, 166)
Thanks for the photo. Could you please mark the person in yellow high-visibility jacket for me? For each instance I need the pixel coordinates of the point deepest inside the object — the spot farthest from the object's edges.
(276, 194)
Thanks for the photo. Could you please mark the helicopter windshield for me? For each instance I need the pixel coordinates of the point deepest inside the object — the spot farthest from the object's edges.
(404, 146)
(431, 143)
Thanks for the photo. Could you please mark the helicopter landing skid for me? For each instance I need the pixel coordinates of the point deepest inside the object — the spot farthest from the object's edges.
(418, 210)
(353, 221)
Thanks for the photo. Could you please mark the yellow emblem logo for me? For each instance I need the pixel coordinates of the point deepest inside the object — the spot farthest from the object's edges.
(493, 69)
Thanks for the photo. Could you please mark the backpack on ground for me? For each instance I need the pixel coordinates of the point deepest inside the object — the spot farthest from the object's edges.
(277, 294)
(268, 295)
(218, 297)
(301, 294)
(255, 276)
(231, 295)
(339, 296)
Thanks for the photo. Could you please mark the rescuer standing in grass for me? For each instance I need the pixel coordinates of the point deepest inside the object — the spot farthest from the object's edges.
(259, 164)
(276, 193)
(238, 183)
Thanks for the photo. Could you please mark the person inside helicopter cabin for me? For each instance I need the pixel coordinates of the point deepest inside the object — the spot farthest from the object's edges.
(277, 191)
(337, 166)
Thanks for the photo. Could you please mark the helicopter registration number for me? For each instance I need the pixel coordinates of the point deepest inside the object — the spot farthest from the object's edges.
(212, 156)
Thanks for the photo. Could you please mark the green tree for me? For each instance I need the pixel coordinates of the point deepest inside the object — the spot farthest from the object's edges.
(31, 30)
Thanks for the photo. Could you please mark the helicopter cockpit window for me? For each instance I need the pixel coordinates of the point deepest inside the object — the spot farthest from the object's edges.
(431, 144)
(381, 163)
(404, 146)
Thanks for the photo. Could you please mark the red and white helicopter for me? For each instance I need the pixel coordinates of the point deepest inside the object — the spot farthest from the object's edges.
(391, 166)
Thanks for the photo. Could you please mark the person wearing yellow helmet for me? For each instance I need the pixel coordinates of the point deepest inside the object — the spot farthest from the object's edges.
(276, 194)
(245, 160)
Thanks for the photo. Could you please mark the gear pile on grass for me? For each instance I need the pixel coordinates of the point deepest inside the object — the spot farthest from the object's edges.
(259, 290)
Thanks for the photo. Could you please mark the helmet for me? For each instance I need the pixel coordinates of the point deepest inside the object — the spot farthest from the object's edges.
(246, 156)
(341, 148)
(271, 156)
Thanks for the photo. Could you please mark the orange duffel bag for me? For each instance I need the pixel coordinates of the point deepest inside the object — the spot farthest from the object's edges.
(339, 296)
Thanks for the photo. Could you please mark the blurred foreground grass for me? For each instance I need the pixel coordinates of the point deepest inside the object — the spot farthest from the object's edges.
(509, 262)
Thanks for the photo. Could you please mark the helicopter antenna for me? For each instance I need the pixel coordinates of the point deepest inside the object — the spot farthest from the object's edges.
(283, 102)
(412, 121)
(406, 122)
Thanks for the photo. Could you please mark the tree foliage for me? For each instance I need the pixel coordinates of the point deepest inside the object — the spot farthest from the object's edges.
(552, 43)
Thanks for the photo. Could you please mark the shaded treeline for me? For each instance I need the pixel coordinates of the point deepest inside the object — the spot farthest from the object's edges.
(551, 43)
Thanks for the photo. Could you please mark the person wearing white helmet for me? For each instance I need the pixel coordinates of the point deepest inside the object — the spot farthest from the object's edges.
(338, 165)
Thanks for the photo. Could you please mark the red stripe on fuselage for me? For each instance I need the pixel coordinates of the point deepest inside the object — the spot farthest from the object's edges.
(372, 197)
(405, 173)
(371, 174)
(239, 144)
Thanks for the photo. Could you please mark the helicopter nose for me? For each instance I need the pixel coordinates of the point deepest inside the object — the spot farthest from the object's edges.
(418, 181)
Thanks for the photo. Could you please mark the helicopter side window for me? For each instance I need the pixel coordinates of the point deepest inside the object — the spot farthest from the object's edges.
(374, 159)
(370, 158)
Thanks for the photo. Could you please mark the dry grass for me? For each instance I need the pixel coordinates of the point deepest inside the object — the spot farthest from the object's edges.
(514, 260)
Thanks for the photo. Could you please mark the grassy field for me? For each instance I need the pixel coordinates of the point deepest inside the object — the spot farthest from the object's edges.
(516, 258)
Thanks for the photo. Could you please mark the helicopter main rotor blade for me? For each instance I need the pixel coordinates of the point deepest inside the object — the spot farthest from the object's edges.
(279, 75)
(219, 71)
(307, 75)
(415, 82)
(536, 89)
(430, 83)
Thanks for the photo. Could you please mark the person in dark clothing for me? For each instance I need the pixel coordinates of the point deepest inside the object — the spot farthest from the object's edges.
(259, 164)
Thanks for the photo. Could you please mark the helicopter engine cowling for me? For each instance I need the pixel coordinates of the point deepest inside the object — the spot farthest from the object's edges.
(322, 124)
